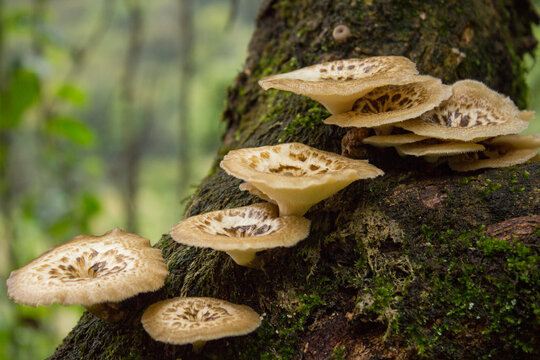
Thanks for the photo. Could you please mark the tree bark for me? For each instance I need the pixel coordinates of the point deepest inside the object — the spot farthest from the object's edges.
(421, 262)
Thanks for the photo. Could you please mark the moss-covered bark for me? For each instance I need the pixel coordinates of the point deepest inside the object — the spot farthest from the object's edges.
(422, 262)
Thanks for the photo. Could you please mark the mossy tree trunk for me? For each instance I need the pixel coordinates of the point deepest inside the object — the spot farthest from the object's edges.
(421, 262)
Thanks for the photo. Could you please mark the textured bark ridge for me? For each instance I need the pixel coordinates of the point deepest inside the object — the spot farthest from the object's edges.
(421, 262)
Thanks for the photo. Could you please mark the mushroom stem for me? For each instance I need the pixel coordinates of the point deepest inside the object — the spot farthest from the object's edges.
(383, 129)
(198, 346)
(108, 312)
(247, 258)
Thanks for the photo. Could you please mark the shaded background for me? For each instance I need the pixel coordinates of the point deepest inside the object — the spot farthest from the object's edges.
(109, 116)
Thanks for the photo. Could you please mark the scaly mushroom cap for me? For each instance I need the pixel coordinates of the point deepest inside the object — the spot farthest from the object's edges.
(510, 158)
(440, 149)
(188, 320)
(338, 84)
(253, 228)
(89, 270)
(515, 141)
(393, 140)
(474, 111)
(394, 103)
(295, 175)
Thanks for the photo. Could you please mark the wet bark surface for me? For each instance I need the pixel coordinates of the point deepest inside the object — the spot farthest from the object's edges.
(422, 262)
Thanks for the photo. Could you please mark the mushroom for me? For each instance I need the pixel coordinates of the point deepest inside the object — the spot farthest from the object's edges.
(473, 112)
(389, 104)
(515, 141)
(393, 140)
(338, 84)
(196, 320)
(431, 151)
(242, 232)
(503, 159)
(90, 271)
(341, 33)
(294, 175)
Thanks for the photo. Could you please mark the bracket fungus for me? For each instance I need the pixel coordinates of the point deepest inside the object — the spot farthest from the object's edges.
(90, 271)
(492, 159)
(338, 84)
(473, 112)
(294, 175)
(515, 141)
(432, 151)
(393, 140)
(242, 232)
(389, 104)
(196, 320)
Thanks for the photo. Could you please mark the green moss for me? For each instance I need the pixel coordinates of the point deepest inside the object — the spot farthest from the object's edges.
(338, 353)
(313, 118)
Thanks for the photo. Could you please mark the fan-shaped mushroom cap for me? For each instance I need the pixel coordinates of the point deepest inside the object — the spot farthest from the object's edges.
(441, 149)
(510, 158)
(474, 111)
(243, 231)
(294, 175)
(515, 141)
(338, 84)
(394, 103)
(393, 140)
(88, 270)
(198, 319)
(527, 115)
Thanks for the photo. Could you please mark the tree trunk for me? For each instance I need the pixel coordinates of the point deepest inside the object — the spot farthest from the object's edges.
(421, 262)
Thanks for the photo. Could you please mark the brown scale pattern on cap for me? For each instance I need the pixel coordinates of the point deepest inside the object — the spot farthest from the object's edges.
(88, 265)
(191, 314)
(390, 98)
(464, 112)
(241, 222)
(353, 69)
(297, 162)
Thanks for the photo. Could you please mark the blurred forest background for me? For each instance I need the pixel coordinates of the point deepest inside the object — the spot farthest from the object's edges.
(110, 116)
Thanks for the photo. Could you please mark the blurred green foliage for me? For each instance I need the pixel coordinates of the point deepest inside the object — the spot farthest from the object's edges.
(62, 128)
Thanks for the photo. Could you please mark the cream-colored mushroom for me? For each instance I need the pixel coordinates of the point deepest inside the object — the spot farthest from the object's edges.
(90, 271)
(338, 84)
(389, 104)
(294, 175)
(242, 232)
(515, 141)
(393, 140)
(432, 150)
(197, 320)
(473, 112)
(504, 159)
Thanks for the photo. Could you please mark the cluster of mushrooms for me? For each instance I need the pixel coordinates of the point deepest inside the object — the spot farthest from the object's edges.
(383, 93)
(467, 124)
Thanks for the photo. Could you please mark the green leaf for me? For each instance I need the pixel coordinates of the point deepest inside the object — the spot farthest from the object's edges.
(71, 129)
(72, 94)
(22, 91)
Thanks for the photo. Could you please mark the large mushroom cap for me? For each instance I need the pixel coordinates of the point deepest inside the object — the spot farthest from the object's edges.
(189, 320)
(244, 230)
(90, 270)
(338, 84)
(394, 103)
(474, 111)
(294, 175)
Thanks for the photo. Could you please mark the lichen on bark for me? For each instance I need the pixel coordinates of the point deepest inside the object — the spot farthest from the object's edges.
(402, 266)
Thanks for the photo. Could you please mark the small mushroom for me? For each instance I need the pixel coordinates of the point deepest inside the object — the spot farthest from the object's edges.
(393, 140)
(91, 271)
(294, 175)
(197, 320)
(500, 160)
(338, 84)
(242, 232)
(439, 149)
(473, 112)
(389, 104)
(341, 33)
(515, 141)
